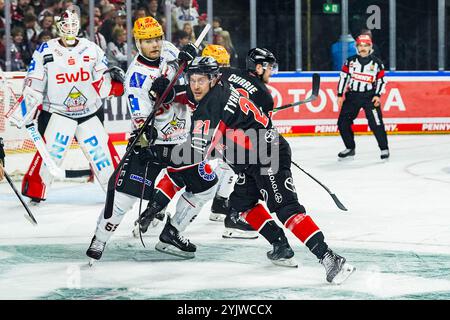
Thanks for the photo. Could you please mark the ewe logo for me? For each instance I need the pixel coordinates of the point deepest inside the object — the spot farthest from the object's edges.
(205, 171)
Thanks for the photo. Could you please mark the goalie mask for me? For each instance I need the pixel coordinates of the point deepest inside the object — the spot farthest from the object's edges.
(68, 24)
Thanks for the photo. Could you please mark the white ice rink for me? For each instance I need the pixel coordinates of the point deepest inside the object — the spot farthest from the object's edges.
(396, 233)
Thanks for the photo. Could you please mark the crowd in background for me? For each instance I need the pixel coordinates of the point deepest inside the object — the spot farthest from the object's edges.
(33, 22)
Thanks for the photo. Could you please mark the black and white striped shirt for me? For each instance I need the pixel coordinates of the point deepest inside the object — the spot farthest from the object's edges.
(362, 75)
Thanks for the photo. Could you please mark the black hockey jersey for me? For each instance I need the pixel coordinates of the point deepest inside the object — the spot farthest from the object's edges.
(232, 124)
(250, 86)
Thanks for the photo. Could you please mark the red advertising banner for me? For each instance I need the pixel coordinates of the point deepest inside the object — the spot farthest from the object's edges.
(410, 105)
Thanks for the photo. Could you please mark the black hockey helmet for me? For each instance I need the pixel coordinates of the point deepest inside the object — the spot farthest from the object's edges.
(259, 56)
(204, 65)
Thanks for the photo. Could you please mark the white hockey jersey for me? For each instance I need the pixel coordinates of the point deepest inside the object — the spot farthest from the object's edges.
(173, 120)
(70, 79)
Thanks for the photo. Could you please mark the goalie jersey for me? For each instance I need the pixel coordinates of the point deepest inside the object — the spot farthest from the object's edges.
(172, 119)
(71, 80)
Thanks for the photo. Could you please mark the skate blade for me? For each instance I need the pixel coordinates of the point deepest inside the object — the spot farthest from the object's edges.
(346, 271)
(290, 263)
(91, 262)
(349, 158)
(216, 217)
(239, 234)
(172, 250)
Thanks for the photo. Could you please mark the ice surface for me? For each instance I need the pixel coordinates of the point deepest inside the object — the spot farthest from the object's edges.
(396, 233)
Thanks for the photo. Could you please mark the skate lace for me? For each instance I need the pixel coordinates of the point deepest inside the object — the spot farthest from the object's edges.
(97, 245)
(329, 260)
(183, 239)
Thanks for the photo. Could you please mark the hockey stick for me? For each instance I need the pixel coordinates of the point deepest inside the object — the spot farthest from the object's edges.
(30, 216)
(335, 198)
(312, 97)
(140, 203)
(112, 180)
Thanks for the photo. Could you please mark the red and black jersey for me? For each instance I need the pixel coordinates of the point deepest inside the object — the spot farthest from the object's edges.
(250, 86)
(364, 75)
(232, 124)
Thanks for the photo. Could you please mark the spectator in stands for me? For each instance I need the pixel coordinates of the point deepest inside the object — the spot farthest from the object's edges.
(47, 23)
(217, 27)
(31, 29)
(202, 21)
(20, 51)
(2, 49)
(185, 13)
(108, 13)
(223, 38)
(336, 50)
(117, 49)
(18, 12)
(153, 9)
(2, 15)
(52, 8)
(187, 27)
(121, 19)
(182, 39)
(44, 36)
(140, 12)
(99, 39)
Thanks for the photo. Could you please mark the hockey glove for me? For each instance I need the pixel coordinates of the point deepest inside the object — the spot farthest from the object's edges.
(117, 74)
(158, 87)
(150, 137)
(156, 154)
(188, 52)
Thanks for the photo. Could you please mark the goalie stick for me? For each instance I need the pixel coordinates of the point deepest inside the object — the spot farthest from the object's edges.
(335, 198)
(30, 216)
(312, 97)
(112, 180)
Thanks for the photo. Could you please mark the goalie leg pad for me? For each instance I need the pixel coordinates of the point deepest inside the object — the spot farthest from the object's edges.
(94, 142)
(58, 136)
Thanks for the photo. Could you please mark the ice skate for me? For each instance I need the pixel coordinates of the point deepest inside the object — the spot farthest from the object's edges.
(219, 209)
(172, 242)
(282, 254)
(95, 250)
(347, 154)
(336, 268)
(146, 223)
(384, 155)
(237, 228)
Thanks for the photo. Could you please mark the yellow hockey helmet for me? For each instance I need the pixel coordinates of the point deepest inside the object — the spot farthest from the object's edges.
(147, 28)
(217, 52)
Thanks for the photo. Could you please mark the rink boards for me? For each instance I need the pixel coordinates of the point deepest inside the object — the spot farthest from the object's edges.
(414, 102)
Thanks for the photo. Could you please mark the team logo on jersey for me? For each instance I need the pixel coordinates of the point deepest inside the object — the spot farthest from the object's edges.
(134, 103)
(289, 184)
(71, 61)
(137, 80)
(264, 194)
(206, 172)
(176, 125)
(75, 101)
(270, 135)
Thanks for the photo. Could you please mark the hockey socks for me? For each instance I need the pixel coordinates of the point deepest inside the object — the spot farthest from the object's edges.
(304, 228)
(260, 219)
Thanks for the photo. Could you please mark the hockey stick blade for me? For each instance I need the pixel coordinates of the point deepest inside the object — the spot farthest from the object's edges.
(338, 203)
(29, 216)
(312, 97)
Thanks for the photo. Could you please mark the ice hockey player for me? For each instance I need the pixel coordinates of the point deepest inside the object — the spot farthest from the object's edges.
(363, 74)
(69, 76)
(157, 59)
(265, 168)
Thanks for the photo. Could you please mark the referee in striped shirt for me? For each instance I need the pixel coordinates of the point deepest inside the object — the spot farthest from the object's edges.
(363, 75)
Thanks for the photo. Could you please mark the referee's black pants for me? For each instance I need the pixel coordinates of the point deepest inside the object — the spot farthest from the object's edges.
(353, 103)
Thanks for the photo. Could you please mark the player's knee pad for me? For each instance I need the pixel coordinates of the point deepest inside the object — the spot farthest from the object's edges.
(227, 178)
(123, 203)
(98, 149)
(257, 216)
(189, 206)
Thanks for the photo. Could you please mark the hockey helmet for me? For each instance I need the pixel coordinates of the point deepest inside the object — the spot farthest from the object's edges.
(147, 28)
(204, 65)
(68, 24)
(260, 56)
(217, 52)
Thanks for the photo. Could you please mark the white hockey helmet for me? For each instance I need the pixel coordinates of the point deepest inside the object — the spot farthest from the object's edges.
(68, 24)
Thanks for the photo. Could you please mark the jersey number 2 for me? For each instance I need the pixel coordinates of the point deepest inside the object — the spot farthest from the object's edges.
(247, 105)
